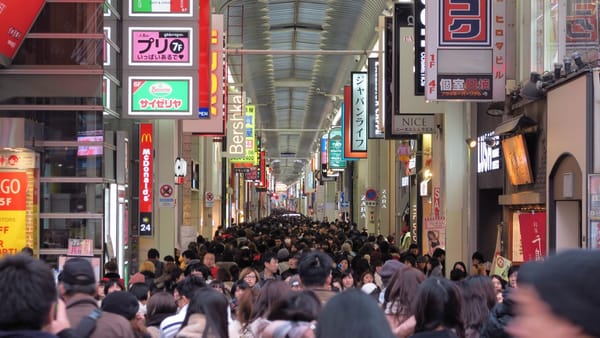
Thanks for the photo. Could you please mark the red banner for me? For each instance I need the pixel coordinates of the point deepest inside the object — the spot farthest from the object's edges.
(13, 190)
(533, 235)
(16, 18)
(146, 167)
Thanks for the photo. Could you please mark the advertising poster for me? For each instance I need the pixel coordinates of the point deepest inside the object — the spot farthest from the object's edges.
(435, 233)
(13, 211)
(167, 96)
(16, 18)
(160, 8)
(533, 235)
(160, 47)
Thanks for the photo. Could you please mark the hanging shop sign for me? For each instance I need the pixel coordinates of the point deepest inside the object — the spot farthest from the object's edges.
(335, 150)
(376, 126)
(359, 119)
(16, 18)
(164, 46)
(146, 177)
(414, 124)
(166, 96)
(249, 137)
(419, 37)
(168, 8)
(477, 34)
(346, 127)
(236, 126)
(204, 56)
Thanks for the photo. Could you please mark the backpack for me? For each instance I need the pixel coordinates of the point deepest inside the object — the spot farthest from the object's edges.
(87, 325)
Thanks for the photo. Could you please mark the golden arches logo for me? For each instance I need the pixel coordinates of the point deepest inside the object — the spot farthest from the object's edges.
(146, 137)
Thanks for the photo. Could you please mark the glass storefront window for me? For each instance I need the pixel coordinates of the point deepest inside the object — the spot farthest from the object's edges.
(64, 125)
(61, 52)
(55, 233)
(79, 161)
(72, 198)
(70, 18)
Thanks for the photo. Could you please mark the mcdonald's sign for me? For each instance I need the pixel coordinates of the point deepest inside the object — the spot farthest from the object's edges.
(145, 183)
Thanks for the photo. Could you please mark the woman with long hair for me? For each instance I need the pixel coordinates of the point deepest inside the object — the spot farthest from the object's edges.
(398, 297)
(206, 316)
(437, 308)
(479, 298)
(250, 276)
(270, 292)
(160, 306)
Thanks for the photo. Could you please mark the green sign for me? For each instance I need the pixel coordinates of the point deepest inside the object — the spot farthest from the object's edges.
(160, 96)
(160, 7)
(336, 149)
(251, 153)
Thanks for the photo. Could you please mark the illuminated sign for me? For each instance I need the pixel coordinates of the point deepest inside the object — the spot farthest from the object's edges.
(336, 150)
(420, 47)
(16, 18)
(346, 126)
(160, 8)
(376, 128)
(146, 177)
(358, 126)
(168, 96)
(13, 211)
(204, 37)
(488, 152)
(236, 141)
(250, 145)
(164, 46)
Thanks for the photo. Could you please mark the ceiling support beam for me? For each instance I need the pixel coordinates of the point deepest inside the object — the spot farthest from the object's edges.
(236, 51)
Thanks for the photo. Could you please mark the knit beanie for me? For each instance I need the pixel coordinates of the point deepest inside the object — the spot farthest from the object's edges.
(122, 303)
(568, 283)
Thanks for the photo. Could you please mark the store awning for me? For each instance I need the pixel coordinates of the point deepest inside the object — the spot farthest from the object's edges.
(513, 124)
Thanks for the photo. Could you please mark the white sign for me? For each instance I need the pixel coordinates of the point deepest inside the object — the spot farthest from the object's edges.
(359, 122)
(209, 199)
(407, 124)
(166, 196)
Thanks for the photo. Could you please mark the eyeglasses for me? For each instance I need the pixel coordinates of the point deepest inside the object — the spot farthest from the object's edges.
(251, 276)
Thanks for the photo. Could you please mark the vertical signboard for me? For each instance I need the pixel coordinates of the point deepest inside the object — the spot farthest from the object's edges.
(360, 100)
(376, 129)
(236, 142)
(346, 127)
(204, 36)
(13, 211)
(419, 36)
(165, 8)
(533, 235)
(249, 141)
(146, 188)
(475, 33)
(336, 149)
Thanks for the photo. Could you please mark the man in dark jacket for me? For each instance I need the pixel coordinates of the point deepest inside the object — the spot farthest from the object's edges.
(29, 300)
(77, 285)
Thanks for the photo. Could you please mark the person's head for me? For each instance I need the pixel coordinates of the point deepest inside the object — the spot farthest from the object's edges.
(440, 254)
(185, 289)
(352, 314)
(218, 285)
(153, 254)
(27, 292)
(269, 262)
(478, 299)
(499, 283)
(558, 297)
(161, 302)
(209, 260)
(296, 306)
(141, 291)
(366, 277)
(77, 276)
(348, 280)
(413, 249)
(122, 303)
(270, 292)
(27, 251)
(188, 255)
(113, 285)
(432, 263)
(148, 266)
(460, 266)
(195, 267)
(238, 288)
(211, 305)
(438, 304)
(457, 274)
(249, 275)
(513, 274)
(342, 263)
(401, 290)
(315, 269)
(110, 266)
(477, 258)
(294, 260)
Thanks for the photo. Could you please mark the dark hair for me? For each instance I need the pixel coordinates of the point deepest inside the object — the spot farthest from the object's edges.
(314, 269)
(457, 275)
(434, 261)
(110, 266)
(139, 290)
(352, 314)
(169, 258)
(153, 254)
(161, 302)
(189, 254)
(296, 306)
(438, 303)
(513, 269)
(462, 264)
(267, 257)
(109, 283)
(500, 279)
(270, 292)
(479, 298)
(478, 256)
(401, 290)
(439, 252)
(197, 266)
(189, 285)
(27, 291)
(213, 305)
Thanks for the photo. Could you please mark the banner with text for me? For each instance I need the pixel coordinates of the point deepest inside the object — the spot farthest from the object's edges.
(13, 211)
(249, 138)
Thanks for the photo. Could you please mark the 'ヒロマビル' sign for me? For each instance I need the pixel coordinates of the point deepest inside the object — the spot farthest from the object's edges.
(160, 47)
(13, 211)
(146, 163)
(160, 8)
(167, 96)
(16, 18)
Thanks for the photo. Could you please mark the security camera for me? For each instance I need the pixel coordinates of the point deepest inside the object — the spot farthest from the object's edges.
(357, 58)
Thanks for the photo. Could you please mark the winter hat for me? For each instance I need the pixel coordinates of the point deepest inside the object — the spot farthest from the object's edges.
(77, 271)
(389, 268)
(122, 303)
(568, 282)
(137, 278)
(283, 254)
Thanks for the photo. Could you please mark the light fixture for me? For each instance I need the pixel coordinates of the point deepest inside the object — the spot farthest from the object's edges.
(471, 142)
(567, 62)
(496, 109)
(557, 70)
(578, 61)
(532, 89)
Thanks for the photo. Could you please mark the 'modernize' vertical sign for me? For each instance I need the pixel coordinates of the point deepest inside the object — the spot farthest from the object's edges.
(146, 163)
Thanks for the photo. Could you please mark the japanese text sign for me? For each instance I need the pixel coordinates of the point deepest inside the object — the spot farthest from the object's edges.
(16, 18)
(160, 47)
(359, 118)
(169, 96)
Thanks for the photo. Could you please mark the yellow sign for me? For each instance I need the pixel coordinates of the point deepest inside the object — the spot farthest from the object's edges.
(12, 231)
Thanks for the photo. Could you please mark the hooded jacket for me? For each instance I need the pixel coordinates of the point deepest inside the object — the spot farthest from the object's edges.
(500, 315)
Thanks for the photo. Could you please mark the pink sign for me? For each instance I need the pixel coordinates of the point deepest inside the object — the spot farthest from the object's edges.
(160, 47)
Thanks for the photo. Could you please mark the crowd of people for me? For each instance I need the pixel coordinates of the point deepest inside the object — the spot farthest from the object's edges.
(296, 278)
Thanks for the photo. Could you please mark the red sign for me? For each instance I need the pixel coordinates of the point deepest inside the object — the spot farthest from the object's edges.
(533, 235)
(13, 190)
(16, 18)
(465, 23)
(436, 202)
(146, 167)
